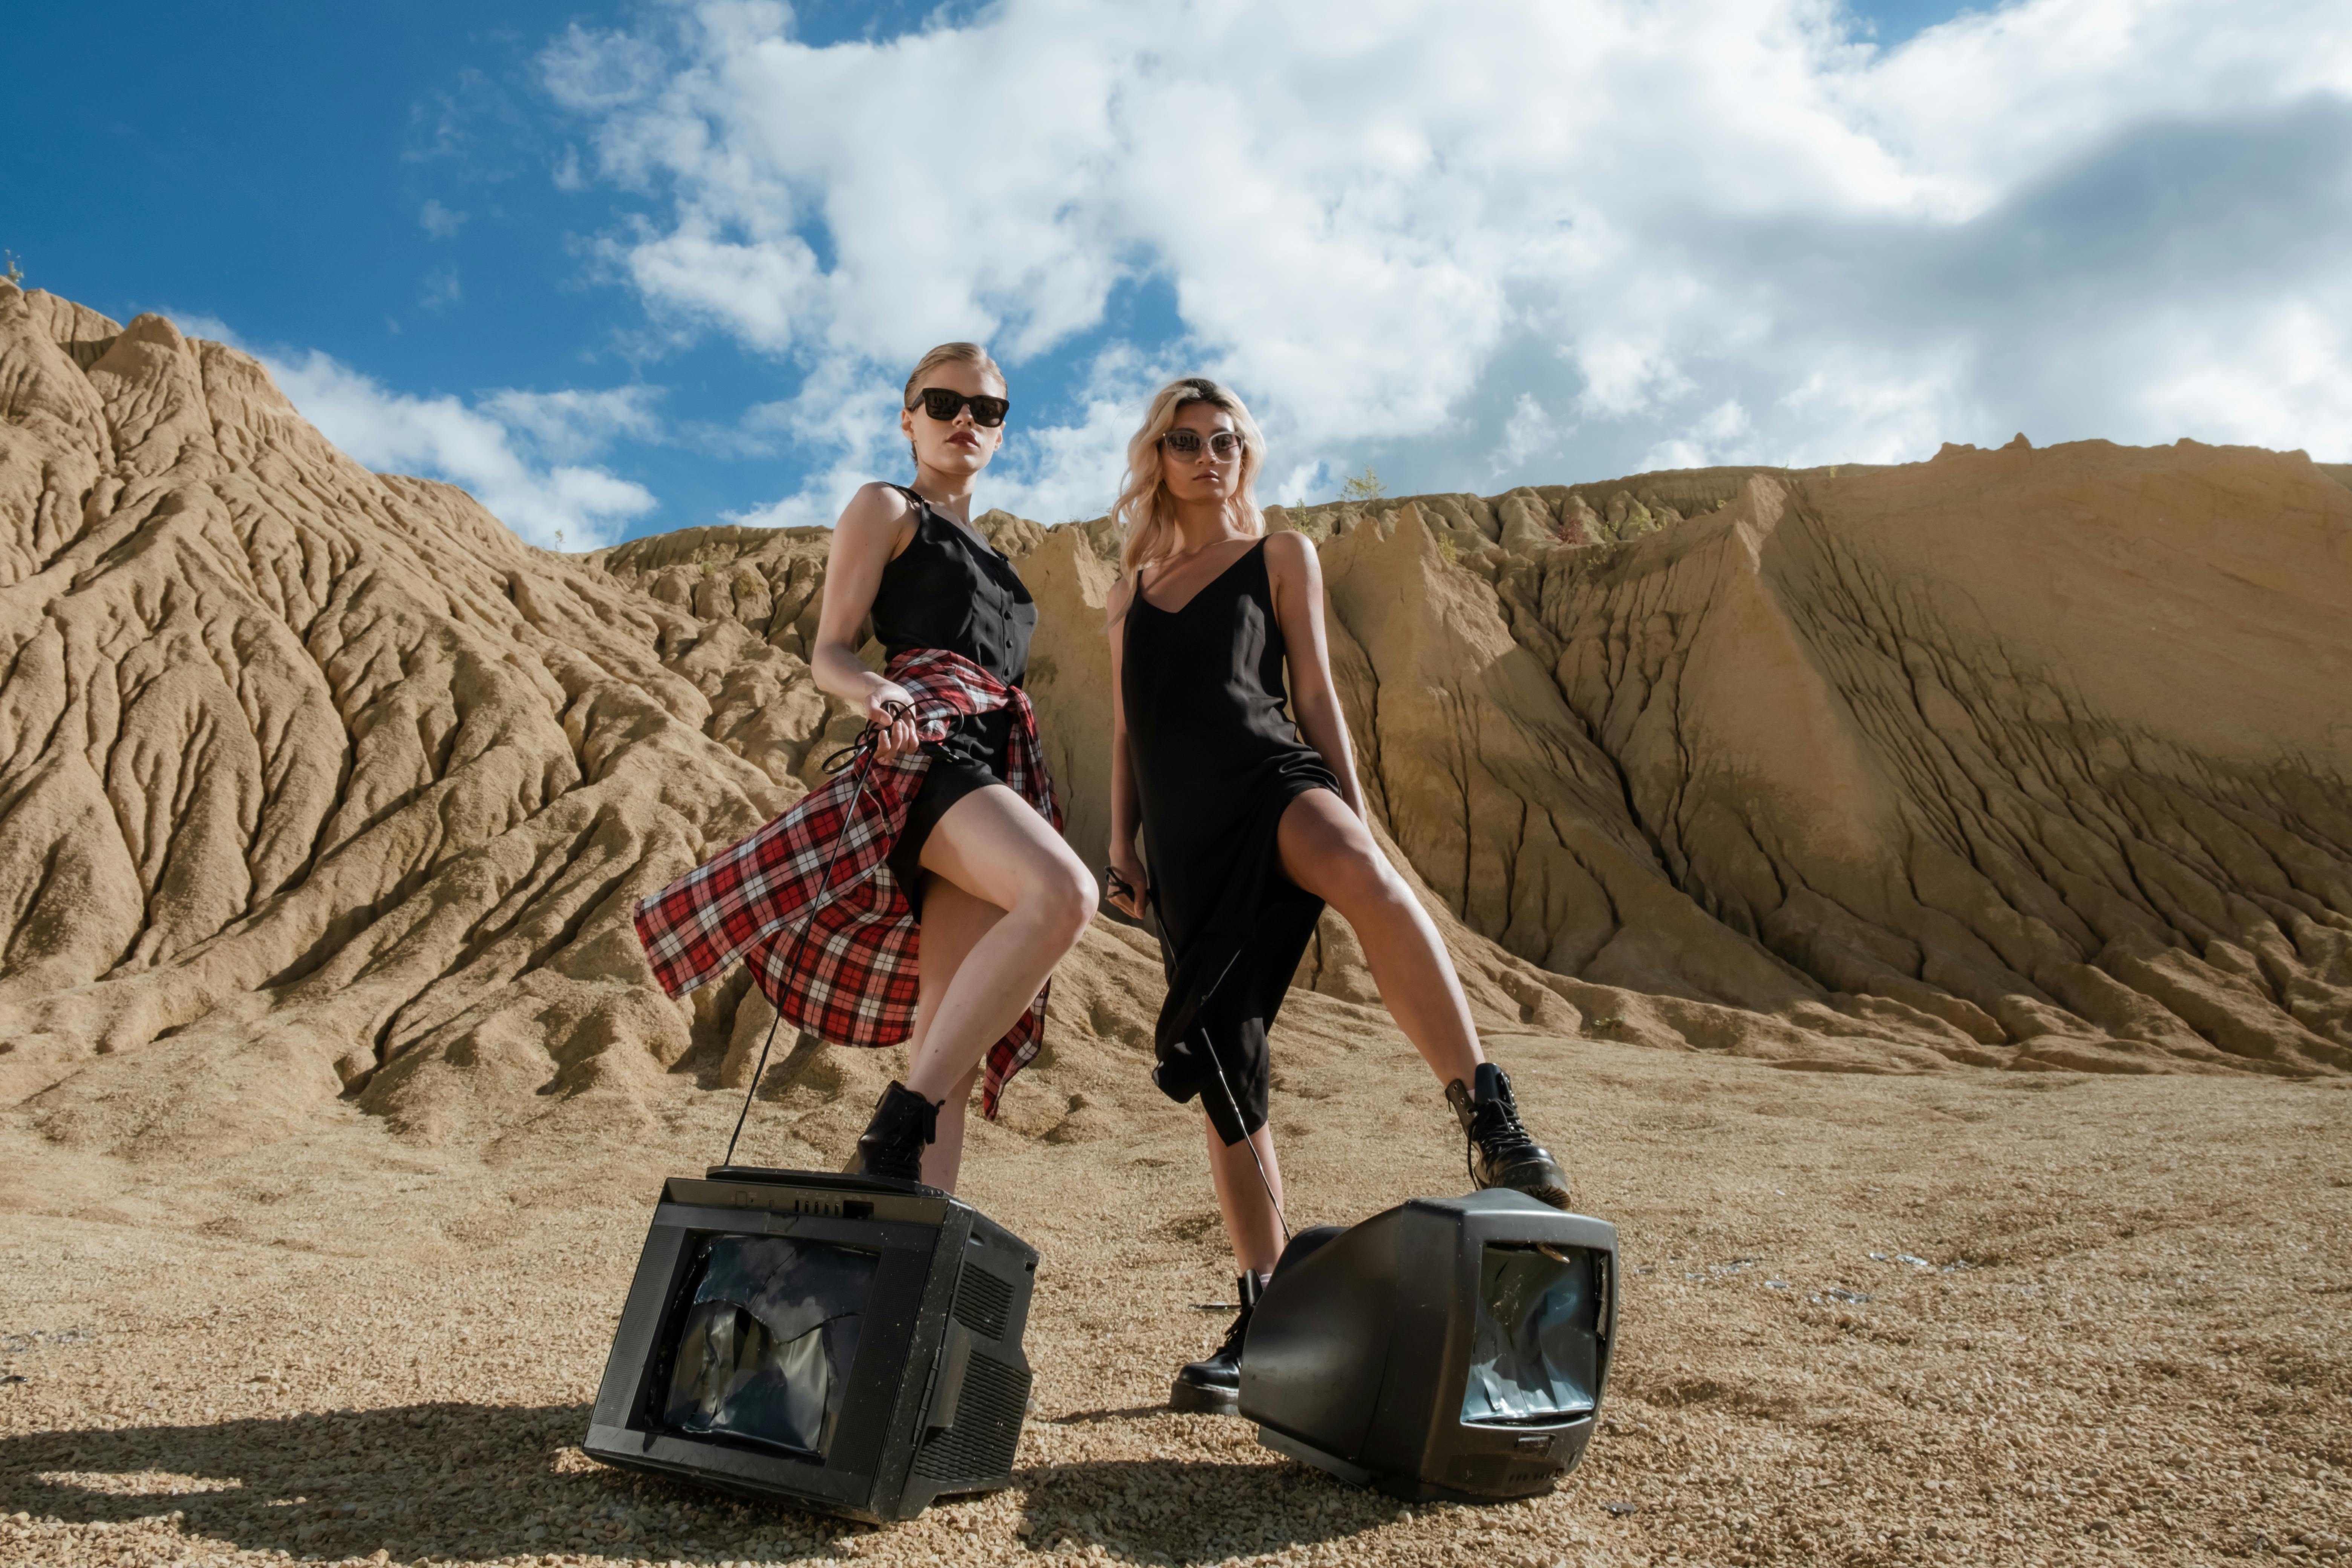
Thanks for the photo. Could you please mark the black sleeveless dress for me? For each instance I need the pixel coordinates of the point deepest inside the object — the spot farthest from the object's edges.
(951, 589)
(1217, 760)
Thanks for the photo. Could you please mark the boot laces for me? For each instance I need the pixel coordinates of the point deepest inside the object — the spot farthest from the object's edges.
(1496, 1132)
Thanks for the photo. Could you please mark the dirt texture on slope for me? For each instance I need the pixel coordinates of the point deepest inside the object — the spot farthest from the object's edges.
(324, 800)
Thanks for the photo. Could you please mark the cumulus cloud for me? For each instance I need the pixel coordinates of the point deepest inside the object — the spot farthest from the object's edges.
(1528, 432)
(523, 455)
(496, 449)
(844, 422)
(571, 425)
(1512, 239)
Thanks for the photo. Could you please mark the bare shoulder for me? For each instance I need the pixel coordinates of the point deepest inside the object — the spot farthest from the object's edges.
(874, 504)
(878, 522)
(1291, 557)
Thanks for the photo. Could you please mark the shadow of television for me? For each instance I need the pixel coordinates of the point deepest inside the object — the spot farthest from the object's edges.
(463, 1481)
(439, 1479)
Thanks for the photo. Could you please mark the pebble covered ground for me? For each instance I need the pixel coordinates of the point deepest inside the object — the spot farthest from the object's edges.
(1958, 1316)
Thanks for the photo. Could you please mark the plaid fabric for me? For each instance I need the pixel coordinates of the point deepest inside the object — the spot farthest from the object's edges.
(853, 982)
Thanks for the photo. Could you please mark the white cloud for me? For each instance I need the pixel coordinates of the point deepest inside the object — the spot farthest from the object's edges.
(1052, 473)
(440, 222)
(442, 289)
(1399, 228)
(472, 447)
(1527, 433)
(1722, 435)
(572, 425)
(520, 454)
(2292, 370)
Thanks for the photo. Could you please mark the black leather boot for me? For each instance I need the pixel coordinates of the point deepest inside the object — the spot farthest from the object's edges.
(892, 1145)
(1501, 1153)
(1214, 1387)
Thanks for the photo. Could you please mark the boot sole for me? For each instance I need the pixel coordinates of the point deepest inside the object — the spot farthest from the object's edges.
(1543, 1192)
(1556, 1197)
(913, 1183)
(1195, 1399)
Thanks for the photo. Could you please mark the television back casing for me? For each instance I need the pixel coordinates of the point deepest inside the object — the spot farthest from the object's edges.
(1360, 1349)
(938, 1386)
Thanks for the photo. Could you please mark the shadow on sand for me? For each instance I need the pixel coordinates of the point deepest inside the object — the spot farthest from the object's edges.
(419, 1480)
(454, 1481)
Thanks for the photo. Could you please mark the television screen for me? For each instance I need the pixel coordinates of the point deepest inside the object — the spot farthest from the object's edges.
(1448, 1348)
(768, 1336)
(848, 1343)
(1535, 1357)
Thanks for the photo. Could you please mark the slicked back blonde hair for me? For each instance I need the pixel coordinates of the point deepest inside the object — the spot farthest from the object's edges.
(1145, 513)
(951, 354)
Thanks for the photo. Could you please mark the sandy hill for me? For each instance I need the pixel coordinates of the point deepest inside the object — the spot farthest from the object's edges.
(334, 1087)
(318, 783)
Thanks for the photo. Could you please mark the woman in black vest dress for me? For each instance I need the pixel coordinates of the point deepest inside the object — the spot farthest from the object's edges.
(1252, 822)
(1001, 896)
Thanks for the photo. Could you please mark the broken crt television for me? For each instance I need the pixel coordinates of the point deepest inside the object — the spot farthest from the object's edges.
(1450, 1348)
(847, 1343)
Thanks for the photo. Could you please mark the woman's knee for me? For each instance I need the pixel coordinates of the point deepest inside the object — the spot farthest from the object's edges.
(1063, 898)
(1358, 878)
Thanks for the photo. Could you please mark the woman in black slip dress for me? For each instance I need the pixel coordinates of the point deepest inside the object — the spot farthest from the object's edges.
(1251, 823)
(1001, 896)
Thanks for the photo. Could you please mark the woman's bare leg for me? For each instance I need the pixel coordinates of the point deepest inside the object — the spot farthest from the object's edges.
(993, 846)
(953, 920)
(1332, 854)
(1250, 1221)
(944, 1158)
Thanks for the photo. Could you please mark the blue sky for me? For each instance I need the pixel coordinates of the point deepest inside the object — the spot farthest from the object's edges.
(627, 269)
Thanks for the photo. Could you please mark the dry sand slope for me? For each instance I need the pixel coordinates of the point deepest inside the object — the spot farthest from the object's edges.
(323, 801)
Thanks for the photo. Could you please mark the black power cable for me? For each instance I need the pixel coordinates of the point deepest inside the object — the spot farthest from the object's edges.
(863, 751)
(1247, 1140)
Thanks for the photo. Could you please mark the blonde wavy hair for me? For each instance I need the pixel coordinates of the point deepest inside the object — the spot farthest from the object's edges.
(1145, 513)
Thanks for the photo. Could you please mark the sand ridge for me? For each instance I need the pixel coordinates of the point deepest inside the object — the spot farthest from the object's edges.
(318, 783)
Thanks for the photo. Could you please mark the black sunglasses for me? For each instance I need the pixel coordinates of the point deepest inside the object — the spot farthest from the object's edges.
(943, 406)
(1225, 446)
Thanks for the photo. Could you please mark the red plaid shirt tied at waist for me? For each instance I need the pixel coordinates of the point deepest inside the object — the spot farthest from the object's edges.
(856, 976)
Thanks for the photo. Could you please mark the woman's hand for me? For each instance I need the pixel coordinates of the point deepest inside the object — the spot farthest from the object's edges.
(1129, 887)
(892, 708)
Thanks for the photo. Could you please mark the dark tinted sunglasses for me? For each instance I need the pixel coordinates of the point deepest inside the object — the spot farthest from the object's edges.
(1225, 446)
(943, 406)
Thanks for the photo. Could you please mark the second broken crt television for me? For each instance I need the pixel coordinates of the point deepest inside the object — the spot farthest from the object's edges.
(847, 1343)
(1448, 1348)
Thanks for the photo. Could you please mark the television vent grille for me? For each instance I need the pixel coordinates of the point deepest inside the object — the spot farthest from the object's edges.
(988, 1426)
(983, 1302)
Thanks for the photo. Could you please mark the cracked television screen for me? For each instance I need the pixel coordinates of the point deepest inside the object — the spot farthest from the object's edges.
(762, 1347)
(1534, 1353)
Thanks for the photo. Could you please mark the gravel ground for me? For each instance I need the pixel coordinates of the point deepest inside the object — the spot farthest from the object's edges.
(1944, 1317)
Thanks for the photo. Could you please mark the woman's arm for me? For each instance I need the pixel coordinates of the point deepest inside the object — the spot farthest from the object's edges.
(1296, 574)
(1126, 806)
(874, 527)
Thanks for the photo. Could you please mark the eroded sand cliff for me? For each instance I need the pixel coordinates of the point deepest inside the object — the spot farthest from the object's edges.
(317, 782)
